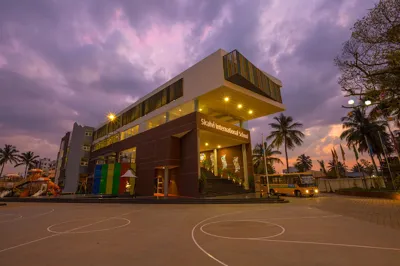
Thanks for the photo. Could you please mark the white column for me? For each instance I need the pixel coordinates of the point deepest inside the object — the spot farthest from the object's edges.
(215, 163)
(245, 172)
(166, 182)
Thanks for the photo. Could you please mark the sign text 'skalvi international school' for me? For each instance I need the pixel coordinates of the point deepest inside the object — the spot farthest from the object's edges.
(212, 124)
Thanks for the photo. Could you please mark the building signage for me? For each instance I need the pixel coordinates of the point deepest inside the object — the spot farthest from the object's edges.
(229, 130)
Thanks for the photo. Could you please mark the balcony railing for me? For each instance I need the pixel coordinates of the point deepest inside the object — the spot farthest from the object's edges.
(239, 70)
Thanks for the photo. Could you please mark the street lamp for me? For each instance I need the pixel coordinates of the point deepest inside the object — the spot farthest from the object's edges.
(351, 102)
(368, 102)
(111, 117)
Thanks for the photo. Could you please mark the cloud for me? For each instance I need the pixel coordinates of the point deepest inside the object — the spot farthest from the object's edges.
(65, 61)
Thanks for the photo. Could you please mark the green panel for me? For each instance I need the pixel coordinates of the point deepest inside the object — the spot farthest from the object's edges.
(103, 181)
(117, 174)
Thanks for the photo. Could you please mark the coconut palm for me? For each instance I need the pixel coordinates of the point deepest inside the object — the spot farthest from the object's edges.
(363, 132)
(258, 158)
(9, 154)
(303, 163)
(341, 168)
(286, 133)
(322, 166)
(357, 168)
(28, 159)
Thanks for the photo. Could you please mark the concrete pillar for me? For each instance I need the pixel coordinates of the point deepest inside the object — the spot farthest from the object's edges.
(215, 163)
(166, 117)
(166, 182)
(244, 124)
(245, 172)
(198, 154)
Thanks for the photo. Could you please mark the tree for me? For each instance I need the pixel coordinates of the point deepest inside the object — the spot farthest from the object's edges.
(28, 159)
(357, 168)
(341, 168)
(258, 158)
(362, 132)
(286, 133)
(9, 154)
(322, 166)
(367, 167)
(370, 59)
(303, 163)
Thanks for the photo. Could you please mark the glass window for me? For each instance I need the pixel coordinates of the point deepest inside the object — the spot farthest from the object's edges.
(156, 121)
(128, 156)
(181, 110)
(130, 132)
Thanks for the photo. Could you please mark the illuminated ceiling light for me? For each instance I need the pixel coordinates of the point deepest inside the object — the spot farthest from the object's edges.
(240, 106)
(351, 102)
(226, 99)
(206, 143)
(219, 146)
(111, 117)
(200, 109)
(250, 112)
(180, 110)
(368, 102)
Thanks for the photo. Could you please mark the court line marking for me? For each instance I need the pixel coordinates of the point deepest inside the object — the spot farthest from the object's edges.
(90, 231)
(55, 235)
(21, 217)
(243, 238)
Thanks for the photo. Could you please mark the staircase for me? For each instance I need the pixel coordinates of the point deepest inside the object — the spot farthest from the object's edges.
(219, 186)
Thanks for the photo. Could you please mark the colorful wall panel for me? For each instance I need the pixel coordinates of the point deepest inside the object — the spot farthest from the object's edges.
(110, 176)
(103, 181)
(116, 177)
(96, 186)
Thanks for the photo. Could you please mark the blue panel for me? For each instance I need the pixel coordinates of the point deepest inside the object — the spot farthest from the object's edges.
(97, 171)
(96, 186)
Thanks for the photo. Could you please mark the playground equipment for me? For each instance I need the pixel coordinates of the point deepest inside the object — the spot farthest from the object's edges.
(34, 185)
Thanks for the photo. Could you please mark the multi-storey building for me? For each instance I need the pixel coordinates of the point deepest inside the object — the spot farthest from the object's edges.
(196, 120)
(73, 157)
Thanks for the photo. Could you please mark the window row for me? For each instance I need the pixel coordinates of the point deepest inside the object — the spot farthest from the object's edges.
(161, 98)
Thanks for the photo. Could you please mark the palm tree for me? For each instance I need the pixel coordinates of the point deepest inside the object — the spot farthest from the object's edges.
(8, 155)
(322, 166)
(341, 167)
(258, 158)
(357, 168)
(286, 132)
(363, 132)
(303, 163)
(28, 159)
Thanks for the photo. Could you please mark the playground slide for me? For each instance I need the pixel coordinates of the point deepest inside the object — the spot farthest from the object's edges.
(40, 192)
(5, 193)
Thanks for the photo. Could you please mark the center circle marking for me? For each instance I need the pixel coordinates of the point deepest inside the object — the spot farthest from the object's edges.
(243, 238)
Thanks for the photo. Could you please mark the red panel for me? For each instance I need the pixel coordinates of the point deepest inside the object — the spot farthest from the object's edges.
(124, 168)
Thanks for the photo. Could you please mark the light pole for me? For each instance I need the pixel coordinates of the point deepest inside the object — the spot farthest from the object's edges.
(112, 118)
(265, 161)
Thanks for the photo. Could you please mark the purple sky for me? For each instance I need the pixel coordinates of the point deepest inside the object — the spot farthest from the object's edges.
(65, 61)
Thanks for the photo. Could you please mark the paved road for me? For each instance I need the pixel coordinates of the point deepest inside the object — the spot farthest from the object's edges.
(330, 230)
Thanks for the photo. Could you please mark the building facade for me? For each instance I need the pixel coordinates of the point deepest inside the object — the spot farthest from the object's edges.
(195, 122)
(73, 158)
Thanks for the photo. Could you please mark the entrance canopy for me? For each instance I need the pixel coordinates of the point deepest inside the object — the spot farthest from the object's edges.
(210, 140)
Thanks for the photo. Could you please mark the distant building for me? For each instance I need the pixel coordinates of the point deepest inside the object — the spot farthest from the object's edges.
(73, 157)
(61, 160)
(292, 169)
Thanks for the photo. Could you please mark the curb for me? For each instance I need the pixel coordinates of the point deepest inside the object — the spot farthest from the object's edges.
(146, 201)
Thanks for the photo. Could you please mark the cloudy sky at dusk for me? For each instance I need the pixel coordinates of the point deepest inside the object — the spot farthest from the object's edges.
(65, 61)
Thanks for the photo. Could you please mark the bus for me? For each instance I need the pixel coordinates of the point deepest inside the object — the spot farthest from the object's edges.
(295, 184)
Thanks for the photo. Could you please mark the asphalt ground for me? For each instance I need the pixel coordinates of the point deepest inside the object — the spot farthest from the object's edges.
(327, 230)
